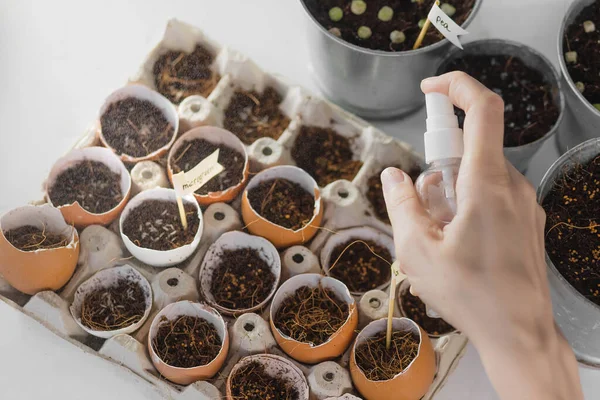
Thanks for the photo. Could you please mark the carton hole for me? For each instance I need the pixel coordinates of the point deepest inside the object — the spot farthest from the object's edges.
(267, 151)
(219, 216)
(343, 193)
(375, 303)
(195, 107)
(146, 174)
(248, 327)
(173, 282)
(328, 376)
(298, 258)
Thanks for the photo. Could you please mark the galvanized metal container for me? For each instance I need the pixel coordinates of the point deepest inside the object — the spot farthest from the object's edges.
(519, 156)
(582, 120)
(372, 83)
(577, 317)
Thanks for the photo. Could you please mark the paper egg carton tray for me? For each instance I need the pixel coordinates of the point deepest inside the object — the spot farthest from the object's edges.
(345, 206)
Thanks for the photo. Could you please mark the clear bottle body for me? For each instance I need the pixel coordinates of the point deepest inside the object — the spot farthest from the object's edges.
(436, 188)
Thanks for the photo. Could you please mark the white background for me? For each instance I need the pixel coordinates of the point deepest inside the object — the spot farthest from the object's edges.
(59, 59)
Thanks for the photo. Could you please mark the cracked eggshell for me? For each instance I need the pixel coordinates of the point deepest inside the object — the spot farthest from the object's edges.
(34, 271)
(338, 342)
(105, 279)
(143, 93)
(274, 366)
(276, 234)
(362, 233)
(216, 136)
(75, 214)
(232, 241)
(161, 258)
(412, 383)
(185, 376)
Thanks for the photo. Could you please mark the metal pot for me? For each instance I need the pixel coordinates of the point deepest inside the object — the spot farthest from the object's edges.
(372, 83)
(577, 317)
(582, 120)
(519, 156)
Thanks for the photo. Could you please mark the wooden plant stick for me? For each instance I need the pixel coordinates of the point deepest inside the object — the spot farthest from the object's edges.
(397, 277)
(424, 30)
(182, 212)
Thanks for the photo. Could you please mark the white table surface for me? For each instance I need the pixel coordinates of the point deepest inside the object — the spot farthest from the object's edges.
(59, 59)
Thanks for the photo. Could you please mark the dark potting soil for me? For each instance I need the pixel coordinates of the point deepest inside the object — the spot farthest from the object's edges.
(529, 109)
(135, 127)
(91, 183)
(375, 192)
(572, 227)
(31, 238)
(242, 279)
(355, 264)
(325, 155)
(587, 45)
(406, 17)
(115, 307)
(311, 315)
(251, 115)
(156, 225)
(416, 310)
(193, 152)
(186, 342)
(252, 382)
(283, 202)
(178, 75)
(380, 364)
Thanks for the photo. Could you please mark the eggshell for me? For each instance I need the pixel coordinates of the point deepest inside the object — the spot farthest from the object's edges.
(232, 241)
(143, 93)
(274, 366)
(276, 234)
(337, 343)
(106, 279)
(73, 213)
(363, 233)
(158, 258)
(34, 271)
(216, 136)
(185, 376)
(410, 384)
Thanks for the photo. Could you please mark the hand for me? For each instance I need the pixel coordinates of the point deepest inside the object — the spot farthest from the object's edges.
(485, 272)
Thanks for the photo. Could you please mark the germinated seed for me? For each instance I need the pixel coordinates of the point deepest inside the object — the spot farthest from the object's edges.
(364, 32)
(358, 7)
(385, 14)
(448, 9)
(589, 26)
(397, 37)
(336, 14)
(571, 56)
(335, 32)
(580, 86)
(422, 23)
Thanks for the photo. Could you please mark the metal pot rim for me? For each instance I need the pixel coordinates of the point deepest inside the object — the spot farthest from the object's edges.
(546, 180)
(454, 53)
(561, 57)
(382, 53)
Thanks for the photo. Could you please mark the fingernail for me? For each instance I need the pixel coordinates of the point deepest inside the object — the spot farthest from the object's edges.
(391, 176)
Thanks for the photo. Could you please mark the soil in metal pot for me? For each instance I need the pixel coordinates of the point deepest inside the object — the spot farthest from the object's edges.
(283, 202)
(529, 109)
(178, 74)
(193, 152)
(251, 115)
(242, 279)
(115, 307)
(186, 342)
(380, 364)
(406, 17)
(586, 69)
(573, 227)
(91, 183)
(325, 155)
(135, 127)
(375, 192)
(252, 382)
(311, 315)
(416, 310)
(156, 225)
(31, 238)
(361, 267)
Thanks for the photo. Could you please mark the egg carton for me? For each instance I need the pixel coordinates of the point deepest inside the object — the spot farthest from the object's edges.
(346, 206)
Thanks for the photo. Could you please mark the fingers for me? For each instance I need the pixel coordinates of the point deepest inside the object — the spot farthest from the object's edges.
(484, 121)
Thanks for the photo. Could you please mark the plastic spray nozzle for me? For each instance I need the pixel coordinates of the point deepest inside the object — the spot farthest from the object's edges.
(443, 139)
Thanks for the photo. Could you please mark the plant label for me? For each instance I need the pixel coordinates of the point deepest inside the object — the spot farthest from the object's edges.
(443, 23)
(188, 182)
